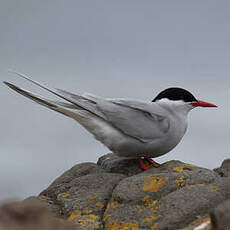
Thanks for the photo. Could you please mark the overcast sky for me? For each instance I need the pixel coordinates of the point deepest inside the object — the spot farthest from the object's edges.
(122, 48)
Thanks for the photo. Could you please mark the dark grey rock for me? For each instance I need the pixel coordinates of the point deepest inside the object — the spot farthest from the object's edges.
(158, 182)
(61, 184)
(182, 206)
(173, 211)
(116, 194)
(81, 194)
(89, 194)
(114, 164)
(164, 198)
(220, 217)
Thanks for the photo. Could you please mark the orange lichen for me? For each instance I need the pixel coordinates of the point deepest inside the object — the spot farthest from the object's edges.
(132, 189)
(87, 211)
(214, 187)
(115, 225)
(179, 169)
(154, 183)
(190, 165)
(74, 215)
(180, 181)
(106, 217)
(111, 204)
(150, 219)
(196, 185)
(99, 205)
(89, 222)
(153, 204)
(114, 204)
(149, 202)
(154, 227)
(108, 206)
(139, 209)
(66, 195)
(94, 197)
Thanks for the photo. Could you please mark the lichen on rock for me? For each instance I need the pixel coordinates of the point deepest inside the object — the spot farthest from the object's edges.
(115, 194)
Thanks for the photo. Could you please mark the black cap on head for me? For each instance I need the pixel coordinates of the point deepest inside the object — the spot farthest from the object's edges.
(175, 94)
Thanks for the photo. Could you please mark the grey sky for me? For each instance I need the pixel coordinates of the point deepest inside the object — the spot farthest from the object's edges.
(116, 48)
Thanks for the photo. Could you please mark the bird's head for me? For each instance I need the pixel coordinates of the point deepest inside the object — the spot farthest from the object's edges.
(180, 98)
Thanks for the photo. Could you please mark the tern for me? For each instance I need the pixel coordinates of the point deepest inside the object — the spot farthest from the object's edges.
(129, 128)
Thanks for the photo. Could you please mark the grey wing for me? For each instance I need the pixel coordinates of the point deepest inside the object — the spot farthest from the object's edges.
(137, 121)
(77, 101)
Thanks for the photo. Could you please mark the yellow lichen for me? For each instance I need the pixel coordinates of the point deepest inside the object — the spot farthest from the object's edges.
(190, 165)
(139, 209)
(196, 185)
(154, 183)
(111, 204)
(149, 202)
(99, 205)
(58, 196)
(108, 206)
(74, 215)
(155, 209)
(154, 227)
(214, 187)
(153, 204)
(150, 219)
(94, 197)
(89, 222)
(87, 211)
(115, 225)
(180, 181)
(179, 169)
(132, 189)
(114, 204)
(66, 195)
(107, 217)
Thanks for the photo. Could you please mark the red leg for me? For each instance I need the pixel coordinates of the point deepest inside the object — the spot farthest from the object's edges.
(142, 164)
(151, 161)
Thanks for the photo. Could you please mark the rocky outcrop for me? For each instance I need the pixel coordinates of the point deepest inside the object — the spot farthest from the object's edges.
(116, 194)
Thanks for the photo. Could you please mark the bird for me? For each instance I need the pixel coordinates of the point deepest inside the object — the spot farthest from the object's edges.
(129, 128)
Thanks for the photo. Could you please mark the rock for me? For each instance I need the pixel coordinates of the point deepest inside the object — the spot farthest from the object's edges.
(75, 172)
(220, 217)
(116, 194)
(114, 164)
(82, 194)
(166, 197)
(30, 214)
(224, 170)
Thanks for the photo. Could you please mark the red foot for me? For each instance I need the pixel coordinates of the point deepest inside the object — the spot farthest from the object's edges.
(142, 164)
(146, 167)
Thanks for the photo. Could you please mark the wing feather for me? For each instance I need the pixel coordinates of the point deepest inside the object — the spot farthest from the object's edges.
(142, 121)
(138, 122)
